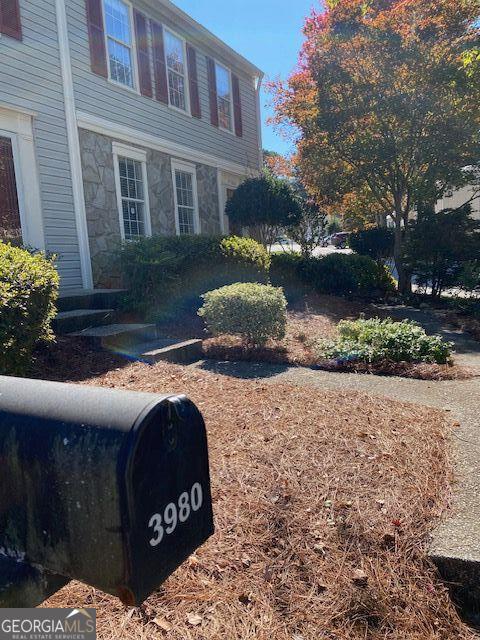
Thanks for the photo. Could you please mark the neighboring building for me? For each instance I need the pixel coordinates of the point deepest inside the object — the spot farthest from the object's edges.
(117, 121)
(456, 198)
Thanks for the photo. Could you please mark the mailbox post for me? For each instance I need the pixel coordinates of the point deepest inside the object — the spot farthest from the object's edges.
(108, 487)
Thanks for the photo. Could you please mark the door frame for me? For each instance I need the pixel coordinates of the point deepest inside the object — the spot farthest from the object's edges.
(18, 127)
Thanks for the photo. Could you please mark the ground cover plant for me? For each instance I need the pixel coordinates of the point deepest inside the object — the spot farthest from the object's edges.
(324, 504)
(28, 292)
(375, 340)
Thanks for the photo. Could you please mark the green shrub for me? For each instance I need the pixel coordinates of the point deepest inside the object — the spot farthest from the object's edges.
(287, 270)
(374, 243)
(28, 291)
(377, 340)
(166, 273)
(335, 274)
(255, 312)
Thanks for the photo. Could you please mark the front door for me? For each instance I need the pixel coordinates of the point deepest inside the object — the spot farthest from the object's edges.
(10, 225)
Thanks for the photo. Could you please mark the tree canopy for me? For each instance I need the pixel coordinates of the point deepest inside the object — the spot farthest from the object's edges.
(385, 103)
(266, 204)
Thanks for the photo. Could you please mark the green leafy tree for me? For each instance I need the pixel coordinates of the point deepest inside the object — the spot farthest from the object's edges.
(386, 102)
(441, 245)
(266, 205)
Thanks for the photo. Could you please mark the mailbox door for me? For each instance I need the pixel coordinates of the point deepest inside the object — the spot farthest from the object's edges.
(168, 496)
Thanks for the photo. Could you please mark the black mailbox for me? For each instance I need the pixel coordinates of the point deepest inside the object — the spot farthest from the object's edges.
(108, 487)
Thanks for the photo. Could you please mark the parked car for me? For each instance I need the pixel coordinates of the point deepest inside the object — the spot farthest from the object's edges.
(340, 240)
(326, 241)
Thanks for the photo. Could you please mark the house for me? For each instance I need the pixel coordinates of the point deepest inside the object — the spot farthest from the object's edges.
(118, 120)
(456, 198)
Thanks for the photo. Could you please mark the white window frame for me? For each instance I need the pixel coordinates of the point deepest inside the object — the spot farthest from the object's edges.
(186, 167)
(187, 111)
(135, 75)
(139, 155)
(232, 113)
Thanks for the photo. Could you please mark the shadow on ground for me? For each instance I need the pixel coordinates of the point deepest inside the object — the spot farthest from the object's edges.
(244, 370)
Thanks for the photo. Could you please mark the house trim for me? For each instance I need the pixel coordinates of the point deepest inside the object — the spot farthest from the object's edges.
(134, 136)
(73, 146)
(177, 165)
(18, 127)
(133, 153)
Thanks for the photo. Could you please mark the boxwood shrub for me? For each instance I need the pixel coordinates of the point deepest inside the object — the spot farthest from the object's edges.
(255, 312)
(28, 292)
(164, 274)
(336, 274)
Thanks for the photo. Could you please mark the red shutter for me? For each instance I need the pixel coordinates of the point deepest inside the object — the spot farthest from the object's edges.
(10, 23)
(143, 52)
(212, 88)
(159, 66)
(96, 34)
(193, 82)
(237, 106)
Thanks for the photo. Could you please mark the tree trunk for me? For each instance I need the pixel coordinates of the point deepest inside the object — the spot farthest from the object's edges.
(404, 278)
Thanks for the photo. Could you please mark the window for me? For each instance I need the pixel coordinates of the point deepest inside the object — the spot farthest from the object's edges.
(132, 191)
(118, 33)
(224, 97)
(176, 70)
(185, 184)
(133, 198)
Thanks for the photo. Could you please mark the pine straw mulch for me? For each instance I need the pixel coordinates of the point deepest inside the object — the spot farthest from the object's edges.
(324, 503)
(295, 350)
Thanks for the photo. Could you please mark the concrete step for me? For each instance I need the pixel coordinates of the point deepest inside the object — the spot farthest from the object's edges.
(120, 338)
(80, 319)
(169, 350)
(71, 299)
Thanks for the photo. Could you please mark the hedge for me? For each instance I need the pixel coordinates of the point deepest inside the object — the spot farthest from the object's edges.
(28, 292)
(335, 274)
(164, 274)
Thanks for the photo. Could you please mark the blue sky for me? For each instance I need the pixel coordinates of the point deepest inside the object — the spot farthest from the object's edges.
(267, 32)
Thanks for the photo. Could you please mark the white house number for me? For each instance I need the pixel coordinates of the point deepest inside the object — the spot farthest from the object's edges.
(166, 523)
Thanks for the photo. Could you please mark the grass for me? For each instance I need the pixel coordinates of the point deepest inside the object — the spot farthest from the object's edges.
(324, 504)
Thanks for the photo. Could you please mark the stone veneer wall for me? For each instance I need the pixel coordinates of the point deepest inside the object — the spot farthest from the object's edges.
(102, 209)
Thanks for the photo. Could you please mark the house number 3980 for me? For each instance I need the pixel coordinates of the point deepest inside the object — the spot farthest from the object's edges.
(174, 513)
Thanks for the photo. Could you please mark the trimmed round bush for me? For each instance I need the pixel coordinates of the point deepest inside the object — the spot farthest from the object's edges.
(375, 340)
(256, 312)
(28, 292)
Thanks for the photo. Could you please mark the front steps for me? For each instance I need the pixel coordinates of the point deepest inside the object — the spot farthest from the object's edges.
(94, 316)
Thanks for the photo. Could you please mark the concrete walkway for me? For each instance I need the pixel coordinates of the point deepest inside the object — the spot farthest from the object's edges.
(456, 543)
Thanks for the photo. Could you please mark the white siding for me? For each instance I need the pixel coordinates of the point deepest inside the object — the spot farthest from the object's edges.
(30, 78)
(97, 96)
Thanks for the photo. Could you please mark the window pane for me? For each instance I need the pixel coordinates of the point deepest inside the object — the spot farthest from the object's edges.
(186, 209)
(185, 219)
(177, 90)
(120, 63)
(132, 192)
(223, 82)
(174, 53)
(224, 114)
(117, 19)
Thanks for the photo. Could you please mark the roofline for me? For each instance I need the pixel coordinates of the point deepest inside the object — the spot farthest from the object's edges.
(241, 61)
